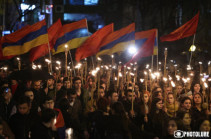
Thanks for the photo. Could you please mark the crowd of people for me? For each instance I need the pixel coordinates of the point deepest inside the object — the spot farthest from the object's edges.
(46, 109)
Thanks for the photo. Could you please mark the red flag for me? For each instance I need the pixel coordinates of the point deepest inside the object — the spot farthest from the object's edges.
(186, 30)
(145, 50)
(92, 45)
(42, 50)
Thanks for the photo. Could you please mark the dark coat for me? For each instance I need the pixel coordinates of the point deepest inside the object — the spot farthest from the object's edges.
(39, 131)
(5, 109)
(21, 124)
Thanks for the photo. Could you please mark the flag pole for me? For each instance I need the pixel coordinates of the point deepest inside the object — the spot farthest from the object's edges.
(191, 50)
(157, 48)
(89, 36)
(72, 62)
(50, 58)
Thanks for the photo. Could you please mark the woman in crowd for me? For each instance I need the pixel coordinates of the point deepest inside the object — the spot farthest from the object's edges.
(185, 117)
(157, 118)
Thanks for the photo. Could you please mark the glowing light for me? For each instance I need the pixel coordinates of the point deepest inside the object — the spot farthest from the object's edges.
(142, 80)
(132, 74)
(147, 66)
(184, 80)
(66, 46)
(165, 79)
(209, 62)
(128, 68)
(18, 58)
(68, 67)
(188, 67)
(153, 76)
(99, 59)
(172, 84)
(112, 56)
(170, 78)
(58, 62)
(145, 72)
(39, 66)
(200, 63)
(175, 65)
(192, 48)
(159, 63)
(115, 78)
(5, 68)
(205, 85)
(178, 77)
(132, 50)
(203, 79)
(191, 74)
(157, 74)
(48, 61)
(97, 69)
(120, 74)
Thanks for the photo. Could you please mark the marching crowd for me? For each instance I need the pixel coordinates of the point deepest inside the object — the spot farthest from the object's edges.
(46, 109)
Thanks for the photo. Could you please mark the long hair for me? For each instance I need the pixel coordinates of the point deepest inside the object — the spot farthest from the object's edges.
(153, 106)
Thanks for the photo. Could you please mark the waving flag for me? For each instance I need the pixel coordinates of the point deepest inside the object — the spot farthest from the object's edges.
(42, 50)
(74, 34)
(23, 40)
(145, 50)
(186, 30)
(118, 41)
(142, 37)
(92, 45)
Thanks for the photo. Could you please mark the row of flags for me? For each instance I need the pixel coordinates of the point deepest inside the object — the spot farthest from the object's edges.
(38, 40)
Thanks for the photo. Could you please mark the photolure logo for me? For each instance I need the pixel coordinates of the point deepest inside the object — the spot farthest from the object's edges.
(196, 134)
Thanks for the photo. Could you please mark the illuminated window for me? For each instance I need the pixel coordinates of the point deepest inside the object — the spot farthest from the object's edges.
(90, 2)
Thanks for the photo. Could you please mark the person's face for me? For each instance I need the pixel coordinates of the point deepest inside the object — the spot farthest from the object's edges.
(159, 89)
(186, 119)
(159, 105)
(90, 82)
(72, 97)
(37, 85)
(172, 126)
(49, 104)
(160, 96)
(179, 89)
(168, 89)
(103, 85)
(196, 88)
(58, 86)
(50, 82)
(30, 94)
(205, 126)
(136, 88)
(170, 99)
(77, 84)
(102, 93)
(1, 129)
(7, 94)
(197, 99)
(130, 95)
(146, 98)
(23, 108)
(191, 97)
(114, 97)
(67, 84)
(13, 82)
(187, 104)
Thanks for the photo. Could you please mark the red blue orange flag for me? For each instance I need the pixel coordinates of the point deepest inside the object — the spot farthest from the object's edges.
(23, 40)
(42, 50)
(145, 50)
(118, 41)
(92, 45)
(141, 38)
(73, 35)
